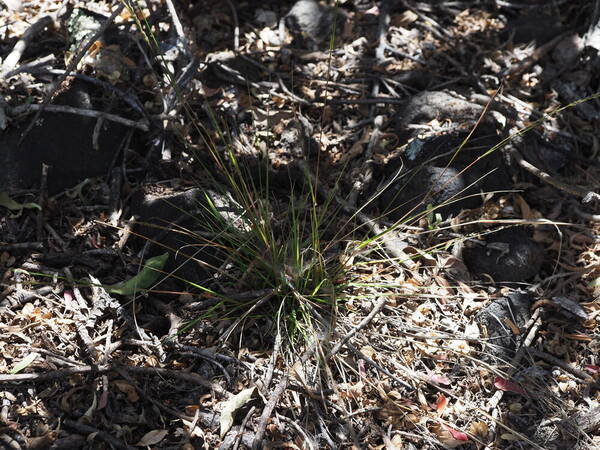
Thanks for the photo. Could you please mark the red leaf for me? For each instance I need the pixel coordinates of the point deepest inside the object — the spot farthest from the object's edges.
(505, 385)
(441, 404)
(440, 379)
(458, 435)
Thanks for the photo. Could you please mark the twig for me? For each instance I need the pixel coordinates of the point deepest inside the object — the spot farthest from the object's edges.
(70, 68)
(240, 433)
(363, 323)
(178, 26)
(54, 374)
(560, 363)
(21, 296)
(273, 400)
(89, 430)
(236, 26)
(538, 53)
(56, 356)
(11, 61)
(378, 367)
(586, 216)
(360, 101)
(102, 368)
(273, 362)
(368, 162)
(140, 125)
(42, 200)
(308, 440)
(128, 97)
(533, 325)
(266, 414)
(382, 29)
(81, 321)
(573, 190)
(22, 246)
(33, 66)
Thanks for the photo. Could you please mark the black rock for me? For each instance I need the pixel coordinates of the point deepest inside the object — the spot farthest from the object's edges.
(430, 186)
(533, 26)
(501, 341)
(180, 223)
(429, 105)
(62, 141)
(507, 255)
(443, 177)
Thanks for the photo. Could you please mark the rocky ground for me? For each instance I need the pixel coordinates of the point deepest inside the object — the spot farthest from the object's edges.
(271, 224)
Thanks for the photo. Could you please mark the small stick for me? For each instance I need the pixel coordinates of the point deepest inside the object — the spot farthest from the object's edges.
(11, 61)
(538, 53)
(21, 296)
(273, 400)
(178, 26)
(22, 246)
(71, 67)
(32, 66)
(560, 363)
(378, 307)
(42, 199)
(240, 433)
(573, 190)
(87, 429)
(140, 125)
(236, 29)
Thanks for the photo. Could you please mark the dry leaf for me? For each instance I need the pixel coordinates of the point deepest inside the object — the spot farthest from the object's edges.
(127, 389)
(440, 404)
(479, 429)
(231, 406)
(449, 436)
(508, 386)
(152, 437)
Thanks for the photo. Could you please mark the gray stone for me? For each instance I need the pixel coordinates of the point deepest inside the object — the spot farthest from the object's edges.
(314, 20)
(507, 255)
(441, 176)
(501, 342)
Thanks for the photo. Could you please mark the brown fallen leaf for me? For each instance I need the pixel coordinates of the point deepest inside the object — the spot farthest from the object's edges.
(152, 437)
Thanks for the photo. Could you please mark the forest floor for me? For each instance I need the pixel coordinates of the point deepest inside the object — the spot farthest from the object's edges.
(238, 224)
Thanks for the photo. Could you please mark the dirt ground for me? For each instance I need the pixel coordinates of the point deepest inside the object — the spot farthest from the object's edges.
(355, 224)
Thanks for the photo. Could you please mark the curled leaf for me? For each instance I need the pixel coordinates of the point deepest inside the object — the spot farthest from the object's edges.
(9, 203)
(149, 274)
(441, 404)
(25, 362)
(510, 386)
(231, 406)
(152, 437)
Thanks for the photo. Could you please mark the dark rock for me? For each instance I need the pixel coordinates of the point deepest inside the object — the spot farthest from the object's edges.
(226, 66)
(314, 20)
(62, 141)
(178, 222)
(507, 255)
(429, 105)
(440, 175)
(429, 186)
(501, 341)
(532, 26)
(440, 172)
